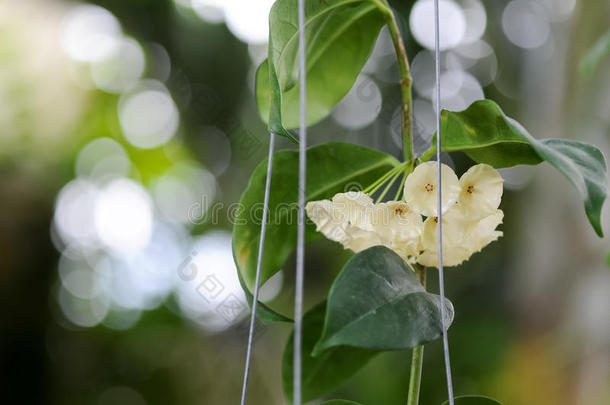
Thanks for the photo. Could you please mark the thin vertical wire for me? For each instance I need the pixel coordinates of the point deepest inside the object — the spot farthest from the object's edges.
(259, 263)
(441, 278)
(298, 297)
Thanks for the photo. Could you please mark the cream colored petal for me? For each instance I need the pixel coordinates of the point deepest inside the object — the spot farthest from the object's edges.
(345, 220)
(398, 226)
(354, 207)
(323, 214)
(452, 256)
(359, 239)
(395, 219)
(421, 188)
(481, 192)
(483, 232)
(406, 248)
(454, 229)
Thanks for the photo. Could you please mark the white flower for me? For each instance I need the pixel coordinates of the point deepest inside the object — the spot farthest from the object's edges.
(461, 237)
(452, 256)
(359, 239)
(454, 229)
(470, 216)
(354, 207)
(354, 221)
(327, 220)
(481, 192)
(481, 233)
(454, 252)
(399, 227)
(346, 219)
(421, 189)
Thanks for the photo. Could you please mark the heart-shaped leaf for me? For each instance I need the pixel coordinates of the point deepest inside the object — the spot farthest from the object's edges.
(340, 37)
(377, 302)
(473, 400)
(323, 373)
(331, 168)
(485, 134)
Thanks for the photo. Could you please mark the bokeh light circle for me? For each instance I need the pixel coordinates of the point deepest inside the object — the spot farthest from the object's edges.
(74, 210)
(525, 24)
(360, 106)
(248, 20)
(102, 158)
(452, 23)
(123, 216)
(148, 115)
(121, 68)
(89, 33)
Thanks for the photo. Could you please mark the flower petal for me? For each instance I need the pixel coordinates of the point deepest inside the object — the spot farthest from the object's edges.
(421, 188)
(481, 233)
(324, 215)
(454, 229)
(398, 226)
(452, 256)
(481, 192)
(354, 207)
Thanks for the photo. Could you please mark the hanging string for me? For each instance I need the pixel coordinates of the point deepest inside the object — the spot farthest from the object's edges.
(441, 280)
(298, 297)
(259, 263)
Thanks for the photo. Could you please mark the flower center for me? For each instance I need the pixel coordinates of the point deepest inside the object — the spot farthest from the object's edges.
(399, 211)
(429, 187)
(470, 189)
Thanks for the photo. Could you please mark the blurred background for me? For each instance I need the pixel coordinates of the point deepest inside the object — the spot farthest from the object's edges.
(128, 130)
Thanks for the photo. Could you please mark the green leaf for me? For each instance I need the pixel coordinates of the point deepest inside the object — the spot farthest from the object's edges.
(378, 303)
(331, 167)
(340, 37)
(485, 134)
(263, 312)
(594, 56)
(268, 94)
(324, 373)
(340, 402)
(473, 400)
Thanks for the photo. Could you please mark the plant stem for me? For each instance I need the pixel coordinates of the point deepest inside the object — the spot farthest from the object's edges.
(371, 188)
(401, 186)
(417, 355)
(387, 187)
(405, 86)
(408, 155)
(427, 155)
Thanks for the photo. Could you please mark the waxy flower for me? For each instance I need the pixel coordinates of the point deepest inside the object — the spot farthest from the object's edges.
(461, 237)
(470, 216)
(354, 221)
(355, 207)
(481, 192)
(343, 219)
(421, 189)
(398, 226)
(481, 233)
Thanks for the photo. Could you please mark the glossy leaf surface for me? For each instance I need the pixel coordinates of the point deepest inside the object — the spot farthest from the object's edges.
(323, 373)
(377, 302)
(485, 134)
(331, 168)
(340, 37)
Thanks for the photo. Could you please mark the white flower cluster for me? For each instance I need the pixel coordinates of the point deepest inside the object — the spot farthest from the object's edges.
(469, 207)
